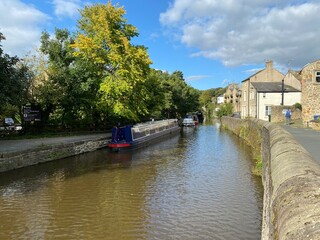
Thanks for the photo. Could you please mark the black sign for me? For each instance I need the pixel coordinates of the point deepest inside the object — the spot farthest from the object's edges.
(30, 114)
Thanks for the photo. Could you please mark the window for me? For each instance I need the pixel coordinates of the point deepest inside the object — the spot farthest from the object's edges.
(244, 111)
(318, 76)
(244, 96)
(251, 94)
(268, 111)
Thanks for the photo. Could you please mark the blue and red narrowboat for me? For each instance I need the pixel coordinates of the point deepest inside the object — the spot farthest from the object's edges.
(139, 135)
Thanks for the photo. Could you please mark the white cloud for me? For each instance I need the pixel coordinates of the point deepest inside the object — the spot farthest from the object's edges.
(196, 78)
(67, 8)
(20, 24)
(238, 32)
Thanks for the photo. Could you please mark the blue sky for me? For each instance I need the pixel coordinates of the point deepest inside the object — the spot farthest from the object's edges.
(212, 42)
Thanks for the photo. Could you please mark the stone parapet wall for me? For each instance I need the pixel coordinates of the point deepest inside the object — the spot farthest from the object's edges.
(10, 161)
(291, 180)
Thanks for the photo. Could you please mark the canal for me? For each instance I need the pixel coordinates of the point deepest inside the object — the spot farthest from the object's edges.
(195, 185)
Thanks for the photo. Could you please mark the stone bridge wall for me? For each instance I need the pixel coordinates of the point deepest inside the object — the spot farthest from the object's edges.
(10, 161)
(291, 180)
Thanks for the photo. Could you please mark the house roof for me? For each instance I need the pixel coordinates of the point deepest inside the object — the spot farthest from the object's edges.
(296, 74)
(248, 78)
(272, 87)
(268, 66)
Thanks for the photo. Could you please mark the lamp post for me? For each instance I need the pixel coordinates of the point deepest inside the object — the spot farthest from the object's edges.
(282, 92)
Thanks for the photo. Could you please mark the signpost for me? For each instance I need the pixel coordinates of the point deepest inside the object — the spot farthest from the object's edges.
(30, 114)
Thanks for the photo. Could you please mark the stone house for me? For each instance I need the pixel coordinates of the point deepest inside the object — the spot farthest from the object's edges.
(249, 102)
(220, 99)
(271, 94)
(233, 96)
(293, 79)
(310, 90)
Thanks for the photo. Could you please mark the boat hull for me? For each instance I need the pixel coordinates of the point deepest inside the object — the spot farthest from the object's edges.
(144, 141)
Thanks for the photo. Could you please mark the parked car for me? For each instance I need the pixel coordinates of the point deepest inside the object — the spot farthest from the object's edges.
(236, 115)
(9, 127)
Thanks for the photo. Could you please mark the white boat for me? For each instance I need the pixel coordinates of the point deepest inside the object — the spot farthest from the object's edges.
(190, 121)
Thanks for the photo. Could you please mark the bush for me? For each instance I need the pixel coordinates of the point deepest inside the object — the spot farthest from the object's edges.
(298, 106)
(225, 110)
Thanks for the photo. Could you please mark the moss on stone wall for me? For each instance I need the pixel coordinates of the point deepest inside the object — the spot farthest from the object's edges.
(257, 168)
(251, 134)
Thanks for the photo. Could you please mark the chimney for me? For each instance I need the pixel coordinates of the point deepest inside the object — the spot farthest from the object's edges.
(269, 64)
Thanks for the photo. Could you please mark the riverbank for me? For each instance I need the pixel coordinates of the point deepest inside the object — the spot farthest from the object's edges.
(26, 152)
(291, 180)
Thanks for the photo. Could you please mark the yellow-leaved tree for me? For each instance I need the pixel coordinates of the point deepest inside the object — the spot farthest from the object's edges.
(104, 38)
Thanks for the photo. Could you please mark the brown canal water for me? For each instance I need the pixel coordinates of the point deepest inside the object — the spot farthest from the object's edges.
(195, 185)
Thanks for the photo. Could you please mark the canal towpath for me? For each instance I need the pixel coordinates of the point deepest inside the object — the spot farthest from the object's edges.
(307, 137)
(11, 146)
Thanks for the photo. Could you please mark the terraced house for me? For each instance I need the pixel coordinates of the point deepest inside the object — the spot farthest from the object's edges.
(258, 87)
(233, 95)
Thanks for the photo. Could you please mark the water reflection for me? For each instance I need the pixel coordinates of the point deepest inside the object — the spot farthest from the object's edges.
(196, 185)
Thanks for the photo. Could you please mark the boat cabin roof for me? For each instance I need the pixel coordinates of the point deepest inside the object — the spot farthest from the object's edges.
(153, 124)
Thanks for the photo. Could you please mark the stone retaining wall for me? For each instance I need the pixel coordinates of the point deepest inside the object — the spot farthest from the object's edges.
(277, 115)
(10, 161)
(291, 180)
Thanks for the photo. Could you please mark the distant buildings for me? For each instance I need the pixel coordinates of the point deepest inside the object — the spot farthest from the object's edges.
(220, 99)
(265, 94)
(233, 96)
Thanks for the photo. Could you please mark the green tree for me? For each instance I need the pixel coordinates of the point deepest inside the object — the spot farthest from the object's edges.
(179, 98)
(157, 101)
(68, 88)
(205, 97)
(56, 92)
(207, 100)
(104, 39)
(224, 110)
(14, 81)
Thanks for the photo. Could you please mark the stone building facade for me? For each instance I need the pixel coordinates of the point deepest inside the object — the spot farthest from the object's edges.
(248, 102)
(233, 95)
(310, 90)
(293, 79)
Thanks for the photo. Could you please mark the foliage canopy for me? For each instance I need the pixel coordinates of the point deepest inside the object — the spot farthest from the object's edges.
(93, 77)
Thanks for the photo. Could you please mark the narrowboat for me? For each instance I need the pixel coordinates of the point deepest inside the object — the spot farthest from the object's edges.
(190, 121)
(139, 135)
